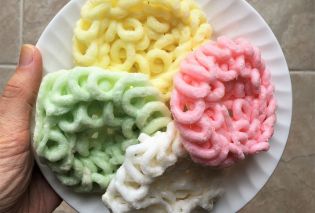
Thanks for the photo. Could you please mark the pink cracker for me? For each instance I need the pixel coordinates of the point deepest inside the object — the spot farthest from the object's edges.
(223, 102)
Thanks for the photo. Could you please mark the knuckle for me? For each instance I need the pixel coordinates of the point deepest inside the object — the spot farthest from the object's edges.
(12, 91)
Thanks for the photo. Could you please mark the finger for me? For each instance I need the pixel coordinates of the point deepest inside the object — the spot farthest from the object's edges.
(19, 95)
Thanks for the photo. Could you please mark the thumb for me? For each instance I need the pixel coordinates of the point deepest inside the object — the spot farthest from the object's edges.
(20, 93)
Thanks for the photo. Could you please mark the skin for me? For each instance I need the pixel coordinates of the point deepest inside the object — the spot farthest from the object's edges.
(22, 187)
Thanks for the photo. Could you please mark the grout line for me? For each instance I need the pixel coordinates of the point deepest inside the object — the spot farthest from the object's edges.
(297, 69)
(7, 66)
(302, 72)
(21, 21)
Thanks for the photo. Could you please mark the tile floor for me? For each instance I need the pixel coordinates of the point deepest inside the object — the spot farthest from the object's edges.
(291, 188)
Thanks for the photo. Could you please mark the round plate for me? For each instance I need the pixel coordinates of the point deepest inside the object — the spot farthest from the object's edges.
(234, 18)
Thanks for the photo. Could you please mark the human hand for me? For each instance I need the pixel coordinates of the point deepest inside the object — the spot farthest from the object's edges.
(22, 187)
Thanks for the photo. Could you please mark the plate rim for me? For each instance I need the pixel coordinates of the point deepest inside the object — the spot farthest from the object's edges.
(290, 104)
(289, 107)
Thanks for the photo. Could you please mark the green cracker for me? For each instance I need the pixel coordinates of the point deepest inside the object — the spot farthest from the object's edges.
(87, 117)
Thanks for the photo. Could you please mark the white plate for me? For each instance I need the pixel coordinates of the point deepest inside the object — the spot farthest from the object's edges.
(233, 18)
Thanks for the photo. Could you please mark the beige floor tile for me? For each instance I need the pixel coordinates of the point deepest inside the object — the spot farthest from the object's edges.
(64, 208)
(37, 14)
(9, 31)
(293, 22)
(5, 74)
(292, 186)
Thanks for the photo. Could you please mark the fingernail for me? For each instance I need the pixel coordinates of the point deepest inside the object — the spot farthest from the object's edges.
(26, 55)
